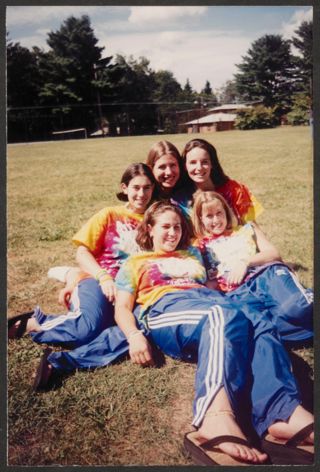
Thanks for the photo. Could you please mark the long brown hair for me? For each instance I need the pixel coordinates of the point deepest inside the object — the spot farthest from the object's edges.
(162, 148)
(132, 171)
(217, 174)
(150, 218)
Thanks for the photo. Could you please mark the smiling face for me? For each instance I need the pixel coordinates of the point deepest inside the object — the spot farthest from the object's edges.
(214, 218)
(166, 171)
(166, 232)
(139, 192)
(198, 165)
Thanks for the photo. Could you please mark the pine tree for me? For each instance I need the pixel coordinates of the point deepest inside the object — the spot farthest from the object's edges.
(69, 72)
(207, 96)
(266, 72)
(304, 62)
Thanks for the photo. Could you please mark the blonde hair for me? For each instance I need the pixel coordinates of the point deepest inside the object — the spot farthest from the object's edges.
(209, 196)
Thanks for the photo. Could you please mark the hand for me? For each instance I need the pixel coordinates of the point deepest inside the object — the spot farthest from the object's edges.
(237, 272)
(108, 287)
(64, 296)
(140, 350)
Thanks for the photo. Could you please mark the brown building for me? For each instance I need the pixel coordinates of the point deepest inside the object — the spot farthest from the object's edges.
(221, 118)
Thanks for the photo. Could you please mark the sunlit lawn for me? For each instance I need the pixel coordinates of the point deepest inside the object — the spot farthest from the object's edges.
(123, 414)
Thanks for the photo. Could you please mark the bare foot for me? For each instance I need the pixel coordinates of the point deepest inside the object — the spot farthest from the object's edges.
(298, 420)
(223, 423)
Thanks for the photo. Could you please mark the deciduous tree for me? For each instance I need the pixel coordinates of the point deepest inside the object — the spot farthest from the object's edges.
(136, 112)
(23, 79)
(228, 93)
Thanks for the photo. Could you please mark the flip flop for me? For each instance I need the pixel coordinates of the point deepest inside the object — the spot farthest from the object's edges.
(43, 373)
(290, 452)
(21, 329)
(208, 452)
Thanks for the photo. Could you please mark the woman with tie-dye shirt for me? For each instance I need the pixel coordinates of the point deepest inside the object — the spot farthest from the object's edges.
(241, 262)
(203, 171)
(104, 242)
(166, 163)
(191, 322)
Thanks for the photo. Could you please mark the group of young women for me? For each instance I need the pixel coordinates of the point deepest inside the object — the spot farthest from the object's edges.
(183, 266)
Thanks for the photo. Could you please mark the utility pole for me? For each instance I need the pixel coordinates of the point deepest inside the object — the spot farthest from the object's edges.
(202, 104)
(95, 69)
(100, 64)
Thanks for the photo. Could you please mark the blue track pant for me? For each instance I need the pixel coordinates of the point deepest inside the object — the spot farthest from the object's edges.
(289, 304)
(231, 351)
(234, 345)
(109, 346)
(90, 314)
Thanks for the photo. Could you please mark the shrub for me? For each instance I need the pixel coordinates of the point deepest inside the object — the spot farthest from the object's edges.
(256, 118)
(300, 112)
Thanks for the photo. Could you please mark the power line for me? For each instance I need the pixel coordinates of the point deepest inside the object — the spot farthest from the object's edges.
(86, 105)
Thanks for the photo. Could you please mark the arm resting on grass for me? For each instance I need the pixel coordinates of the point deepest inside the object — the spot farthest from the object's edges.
(139, 348)
(267, 251)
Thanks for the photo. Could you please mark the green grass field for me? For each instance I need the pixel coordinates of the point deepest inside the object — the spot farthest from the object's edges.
(122, 414)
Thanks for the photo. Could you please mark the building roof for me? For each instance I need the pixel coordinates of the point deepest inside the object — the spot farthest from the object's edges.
(229, 106)
(213, 118)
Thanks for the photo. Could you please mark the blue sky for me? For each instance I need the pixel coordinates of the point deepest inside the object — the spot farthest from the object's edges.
(198, 43)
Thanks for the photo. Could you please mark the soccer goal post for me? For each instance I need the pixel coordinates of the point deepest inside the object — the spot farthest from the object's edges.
(70, 134)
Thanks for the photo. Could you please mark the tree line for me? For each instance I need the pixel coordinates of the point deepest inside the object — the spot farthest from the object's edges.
(73, 86)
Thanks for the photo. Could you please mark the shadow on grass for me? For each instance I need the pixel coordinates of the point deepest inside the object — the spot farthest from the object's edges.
(303, 375)
(57, 378)
(295, 266)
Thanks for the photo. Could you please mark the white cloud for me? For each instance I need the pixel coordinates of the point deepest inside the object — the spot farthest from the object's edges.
(206, 54)
(196, 56)
(288, 29)
(157, 14)
(103, 27)
(37, 39)
(32, 15)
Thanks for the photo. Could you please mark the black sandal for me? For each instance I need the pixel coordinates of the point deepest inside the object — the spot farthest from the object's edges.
(44, 372)
(290, 452)
(208, 452)
(21, 329)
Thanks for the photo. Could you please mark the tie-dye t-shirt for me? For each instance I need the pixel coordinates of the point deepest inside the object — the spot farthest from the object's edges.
(150, 275)
(244, 204)
(219, 252)
(110, 236)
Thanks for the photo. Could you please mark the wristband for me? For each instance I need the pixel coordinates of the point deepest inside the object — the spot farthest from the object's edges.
(134, 333)
(104, 278)
(101, 274)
